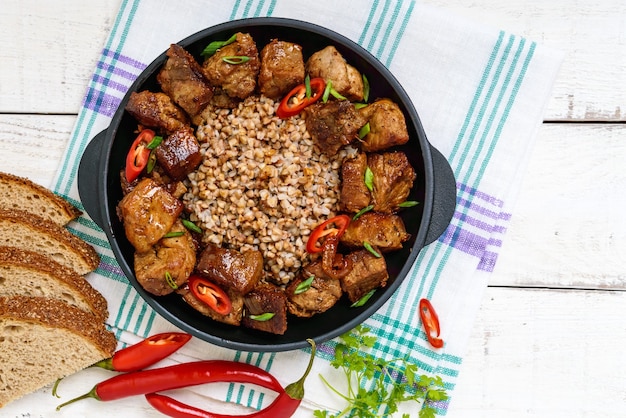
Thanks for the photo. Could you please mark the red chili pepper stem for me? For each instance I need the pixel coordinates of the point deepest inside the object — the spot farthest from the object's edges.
(295, 390)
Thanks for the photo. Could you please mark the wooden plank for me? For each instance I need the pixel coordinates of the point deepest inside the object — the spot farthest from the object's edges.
(568, 228)
(66, 37)
(544, 353)
(51, 48)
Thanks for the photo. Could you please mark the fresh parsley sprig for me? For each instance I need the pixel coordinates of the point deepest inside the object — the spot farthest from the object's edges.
(353, 358)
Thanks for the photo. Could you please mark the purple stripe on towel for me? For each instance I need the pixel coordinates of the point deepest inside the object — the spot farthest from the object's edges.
(482, 196)
(100, 102)
(124, 59)
(110, 83)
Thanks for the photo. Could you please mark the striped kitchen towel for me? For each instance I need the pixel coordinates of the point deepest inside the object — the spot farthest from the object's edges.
(480, 93)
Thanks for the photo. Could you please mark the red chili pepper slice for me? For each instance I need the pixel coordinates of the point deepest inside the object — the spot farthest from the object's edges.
(138, 155)
(179, 376)
(340, 222)
(431, 323)
(296, 99)
(210, 294)
(284, 406)
(146, 352)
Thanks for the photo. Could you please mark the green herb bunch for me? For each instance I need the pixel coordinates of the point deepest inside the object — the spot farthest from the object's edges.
(353, 358)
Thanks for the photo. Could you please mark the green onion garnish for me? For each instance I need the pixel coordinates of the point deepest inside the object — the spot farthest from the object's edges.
(151, 162)
(358, 106)
(365, 129)
(263, 317)
(371, 249)
(408, 204)
(329, 85)
(191, 226)
(304, 286)
(307, 86)
(236, 59)
(215, 45)
(170, 280)
(362, 211)
(363, 299)
(174, 234)
(336, 94)
(155, 142)
(366, 89)
(369, 179)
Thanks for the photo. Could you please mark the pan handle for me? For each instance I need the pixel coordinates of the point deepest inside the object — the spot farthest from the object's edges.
(88, 170)
(444, 196)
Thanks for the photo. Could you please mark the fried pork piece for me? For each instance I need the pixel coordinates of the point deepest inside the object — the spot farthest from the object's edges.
(230, 268)
(148, 212)
(237, 80)
(321, 296)
(393, 180)
(387, 126)
(233, 318)
(383, 231)
(329, 64)
(174, 256)
(333, 124)
(354, 193)
(368, 272)
(179, 153)
(282, 68)
(156, 110)
(182, 79)
(266, 298)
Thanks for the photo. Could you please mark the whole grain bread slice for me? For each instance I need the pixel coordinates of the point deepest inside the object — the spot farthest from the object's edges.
(28, 273)
(43, 339)
(26, 231)
(21, 193)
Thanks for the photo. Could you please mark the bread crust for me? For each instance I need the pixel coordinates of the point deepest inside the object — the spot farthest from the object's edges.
(18, 192)
(24, 230)
(16, 263)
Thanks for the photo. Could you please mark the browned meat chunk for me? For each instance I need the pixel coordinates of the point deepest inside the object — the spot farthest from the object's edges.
(183, 80)
(368, 272)
(387, 126)
(333, 124)
(383, 231)
(354, 193)
(179, 153)
(174, 257)
(233, 318)
(156, 110)
(237, 79)
(266, 299)
(321, 296)
(230, 268)
(330, 65)
(393, 180)
(148, 212)
(282, 68)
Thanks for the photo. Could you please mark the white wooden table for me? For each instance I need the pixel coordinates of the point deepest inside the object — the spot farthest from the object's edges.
(548, 339)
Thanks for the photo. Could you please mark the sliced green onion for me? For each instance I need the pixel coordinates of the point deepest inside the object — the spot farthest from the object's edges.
(371, 249)
(155, 142)
(304, 286)
(366, 89)
(191, 226)
(369, 179)
(365, 129)
(170, 280)
(358, 106)
(151, 162)
(263, 317)
(329, 85)
(336, 94)
(174, 234)
(363, 299)
(236, 59)
(215, 45)
(408, 204)
(362, 211)
(307, 86)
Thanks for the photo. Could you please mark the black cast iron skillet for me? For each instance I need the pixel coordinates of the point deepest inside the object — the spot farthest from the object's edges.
(435, 189)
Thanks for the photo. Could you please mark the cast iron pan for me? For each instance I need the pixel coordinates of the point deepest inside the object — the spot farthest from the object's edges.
(435, 189)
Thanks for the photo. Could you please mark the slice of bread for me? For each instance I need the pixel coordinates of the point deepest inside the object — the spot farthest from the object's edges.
(28, 273)
(43, 339)
(24, 230)
(23, 194)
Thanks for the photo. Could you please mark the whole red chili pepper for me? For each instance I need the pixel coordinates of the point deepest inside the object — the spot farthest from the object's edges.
(283, 406)
(145, 353)
(431, 323)
(178, 376)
